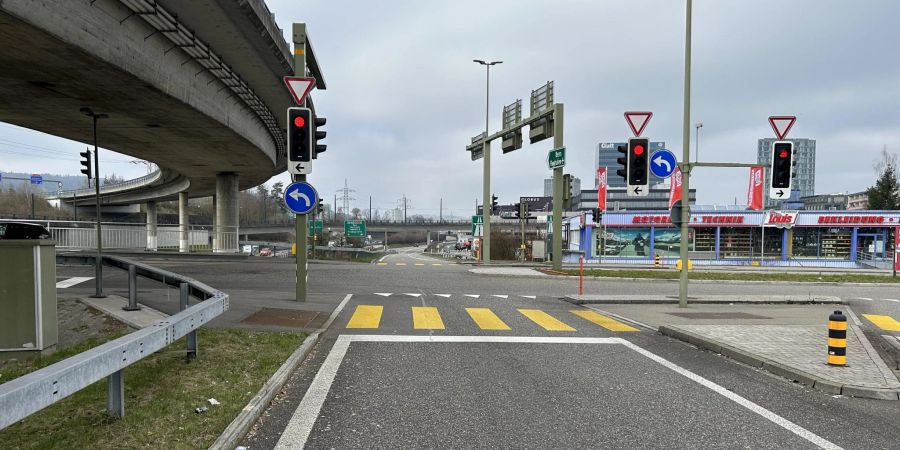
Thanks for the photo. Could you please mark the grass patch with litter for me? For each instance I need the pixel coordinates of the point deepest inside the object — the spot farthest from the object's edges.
(725, 276)
(161, 393)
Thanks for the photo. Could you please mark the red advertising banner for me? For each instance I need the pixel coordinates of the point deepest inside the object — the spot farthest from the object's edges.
(601, 188)
(675, 187)
(755, 191)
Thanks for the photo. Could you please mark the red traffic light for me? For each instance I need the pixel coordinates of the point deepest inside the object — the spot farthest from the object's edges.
(638, 150)
(299, 122)
(783, 154)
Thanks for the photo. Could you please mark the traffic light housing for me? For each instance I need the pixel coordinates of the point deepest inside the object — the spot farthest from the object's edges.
(320, 207)
(623, 162)
(526, 210)
(318, 135)
(86, 163)
(597, 215)
(638, 179)
(567, 191)
(781, 169)
(300, 140)
(493, 203)
(518, 207)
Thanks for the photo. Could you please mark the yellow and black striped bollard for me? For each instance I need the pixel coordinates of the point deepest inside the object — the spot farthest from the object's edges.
(837, 339)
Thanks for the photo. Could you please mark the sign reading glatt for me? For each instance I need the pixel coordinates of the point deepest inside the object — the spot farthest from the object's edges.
(755, 191)
(784, 219)
(601, 188)
(675, 188)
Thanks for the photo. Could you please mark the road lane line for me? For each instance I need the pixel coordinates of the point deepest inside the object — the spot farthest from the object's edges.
(384, 294)
(486, 319)
(500, 296)
(427, 318)
(546, 321)
(366, 316)
(419, 264)
(529, 296)
(444, 295)
(399, 264)
(473, 295)
(382, 264)
(886, 323)
(436, 264)
(603, 321)
(71, 282)
(411, 294)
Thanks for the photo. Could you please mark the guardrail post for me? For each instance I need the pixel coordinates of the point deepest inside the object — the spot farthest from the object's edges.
(115, 394)
(132, 290)
(192, 336)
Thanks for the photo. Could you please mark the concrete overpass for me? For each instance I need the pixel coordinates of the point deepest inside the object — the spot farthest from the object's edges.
(194, 87)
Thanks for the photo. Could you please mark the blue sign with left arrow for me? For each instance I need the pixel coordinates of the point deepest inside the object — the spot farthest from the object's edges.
(300, 197)
(663, 163)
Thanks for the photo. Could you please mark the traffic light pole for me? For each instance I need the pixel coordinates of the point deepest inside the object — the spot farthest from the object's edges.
(300, 230)
(98, 269)
(557, 189)
(486, 181)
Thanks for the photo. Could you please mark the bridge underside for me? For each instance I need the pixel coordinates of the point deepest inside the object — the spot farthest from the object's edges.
(45, 80)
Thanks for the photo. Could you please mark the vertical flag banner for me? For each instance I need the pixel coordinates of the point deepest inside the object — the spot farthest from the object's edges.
(675, 187)
(601, 188)
(755, 191)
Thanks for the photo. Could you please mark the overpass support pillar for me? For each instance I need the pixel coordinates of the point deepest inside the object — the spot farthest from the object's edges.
(152, 240)
(227, 212)
(183, 223)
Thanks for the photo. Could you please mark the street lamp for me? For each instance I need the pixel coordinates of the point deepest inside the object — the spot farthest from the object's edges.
(98, 269)
(486, 203)
(697, 126)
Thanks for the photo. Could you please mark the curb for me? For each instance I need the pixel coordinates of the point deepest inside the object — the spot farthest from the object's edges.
(699, 301)
(759, 362)
(248, 416)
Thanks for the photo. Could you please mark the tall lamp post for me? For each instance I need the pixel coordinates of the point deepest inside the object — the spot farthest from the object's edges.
(697, 126)
(98, 269)
(486, 202)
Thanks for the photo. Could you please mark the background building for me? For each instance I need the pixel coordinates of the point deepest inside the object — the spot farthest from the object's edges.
(606, 157)
(825, 202)
(805, 162)
(858, 201)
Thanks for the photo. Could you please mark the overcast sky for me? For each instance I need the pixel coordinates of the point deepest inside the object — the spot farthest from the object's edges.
(404, 97)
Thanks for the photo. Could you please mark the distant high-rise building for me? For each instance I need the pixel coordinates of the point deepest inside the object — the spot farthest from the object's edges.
(805, 161)
(606, 157)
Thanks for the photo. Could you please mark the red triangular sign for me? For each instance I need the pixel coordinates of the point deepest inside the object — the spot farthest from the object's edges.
(637, 120)
(782, 124)
(299, 87)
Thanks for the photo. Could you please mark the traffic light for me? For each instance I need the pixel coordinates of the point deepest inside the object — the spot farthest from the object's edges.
(567, 191)
(638, 179)
(318, 135)
(518, 207)
(597, 215)
(526, 211)
(320, 207)
(782, 169)
(493, 203)
(300, 140)
(623, 161)
(86, 162)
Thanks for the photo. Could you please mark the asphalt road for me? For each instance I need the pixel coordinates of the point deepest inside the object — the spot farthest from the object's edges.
(501, 362)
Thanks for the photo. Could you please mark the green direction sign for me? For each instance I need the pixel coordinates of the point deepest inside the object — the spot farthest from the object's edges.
(476, 221)
(355, 228)
(556, 158)
(315, 227)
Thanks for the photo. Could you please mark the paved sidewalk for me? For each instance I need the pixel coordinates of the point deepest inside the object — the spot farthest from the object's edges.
(787, 340)
(508, 271)
(703, 299)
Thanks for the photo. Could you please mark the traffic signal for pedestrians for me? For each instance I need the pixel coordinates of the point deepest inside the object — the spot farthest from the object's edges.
(782, 169)
(638, 179)
(518, 207)
(300, 140)
(86, 163)
(318, 135)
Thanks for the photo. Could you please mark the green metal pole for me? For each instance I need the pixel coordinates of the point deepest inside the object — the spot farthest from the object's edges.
(686, 165)
(486, 181)
(557, 189)
(300, 230)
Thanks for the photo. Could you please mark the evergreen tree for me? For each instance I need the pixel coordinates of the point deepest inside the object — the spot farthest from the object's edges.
(885, 195)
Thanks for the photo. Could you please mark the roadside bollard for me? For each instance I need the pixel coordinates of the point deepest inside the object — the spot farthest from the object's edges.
(837, 339)
(656, 260)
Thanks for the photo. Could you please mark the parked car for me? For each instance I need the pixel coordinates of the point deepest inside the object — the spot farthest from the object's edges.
(22, 230)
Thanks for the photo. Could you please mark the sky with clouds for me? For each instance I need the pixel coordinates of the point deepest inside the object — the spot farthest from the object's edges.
(404, 97)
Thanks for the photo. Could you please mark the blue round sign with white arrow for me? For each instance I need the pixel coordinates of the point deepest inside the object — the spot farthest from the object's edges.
(663, 163)
(300, 197)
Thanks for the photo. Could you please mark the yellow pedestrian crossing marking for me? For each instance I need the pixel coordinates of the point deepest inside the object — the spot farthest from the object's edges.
(546, 321)
(486, 319)
(420, 264)
(886, 323)
(399, 264)
(366, 316)
(427, 318)
(603, 321)
(382, 264)
(437, 264)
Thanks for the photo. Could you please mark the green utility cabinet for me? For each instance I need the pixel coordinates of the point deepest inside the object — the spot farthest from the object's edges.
(28, 322)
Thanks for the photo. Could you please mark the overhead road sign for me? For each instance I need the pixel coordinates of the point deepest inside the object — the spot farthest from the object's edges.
(556, 158)
(36, 178)
(662, 163)
(355, 228)
(300, 197)
(782, 125)
(638, 120)
(299, 87)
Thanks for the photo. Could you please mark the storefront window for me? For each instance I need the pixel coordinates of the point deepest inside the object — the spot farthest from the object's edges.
(836, 243)
(804, 243)
(773, 242)
(704, 243)
(734, 243)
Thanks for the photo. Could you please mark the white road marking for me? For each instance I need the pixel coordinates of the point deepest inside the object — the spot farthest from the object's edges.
(864, 298)
(71, 282)
(382, 258)
(500, 296)
(412, 294)
(473, 295)
(298, 429)
(890, 300)
(529, 296)
(444, 295)
(384, 294)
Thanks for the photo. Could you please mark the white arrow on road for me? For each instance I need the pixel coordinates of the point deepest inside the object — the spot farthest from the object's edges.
(412, 295)
(296, 195)
(659, 161)
(383, 294)
(473, 295)
(444, 295)
(500, 296)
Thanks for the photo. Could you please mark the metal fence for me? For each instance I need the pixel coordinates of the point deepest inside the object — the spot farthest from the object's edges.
(33, 392)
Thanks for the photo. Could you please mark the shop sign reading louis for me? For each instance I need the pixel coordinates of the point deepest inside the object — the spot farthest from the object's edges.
(781, 219)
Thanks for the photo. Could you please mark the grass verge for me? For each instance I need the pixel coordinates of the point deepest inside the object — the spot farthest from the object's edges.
(161, 393)
(726, 276)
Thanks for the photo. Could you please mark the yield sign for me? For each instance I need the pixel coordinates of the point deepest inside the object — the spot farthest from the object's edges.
(299, 87)
(637, 120)
(782, 124)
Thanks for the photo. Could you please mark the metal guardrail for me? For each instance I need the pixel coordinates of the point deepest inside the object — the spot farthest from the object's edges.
(33, 392)
(152, 177)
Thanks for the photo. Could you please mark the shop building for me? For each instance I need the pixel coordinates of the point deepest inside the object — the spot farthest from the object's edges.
(771, 238)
